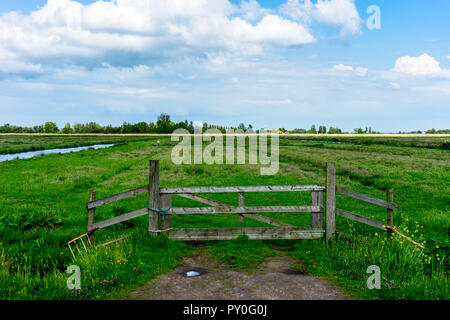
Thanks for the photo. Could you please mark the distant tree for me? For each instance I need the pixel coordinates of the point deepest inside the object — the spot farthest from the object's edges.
(152, 127)
(93, 127)
(67, 128)
(358, 130)
(38, 129)
(78, 128)
(164, 125)
(322, 129)
(333, 130)
(313, 129)
(142, 127)
(298, 131)
(164, 117)
(111, 129)
(241, 126)
(50, 127)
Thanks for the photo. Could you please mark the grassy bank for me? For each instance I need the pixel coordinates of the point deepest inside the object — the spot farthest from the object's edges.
(43, 206)
(10, 144)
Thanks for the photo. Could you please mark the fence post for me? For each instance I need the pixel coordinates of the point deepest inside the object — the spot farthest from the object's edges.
(317, 217)
(331, 200)
(91, 212)
(390, 212)
(165, 220)
(153, 197)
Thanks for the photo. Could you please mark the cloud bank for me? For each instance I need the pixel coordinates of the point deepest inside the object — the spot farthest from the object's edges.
(340, 13)
(134, 32)
(360, 71)
(421, 65)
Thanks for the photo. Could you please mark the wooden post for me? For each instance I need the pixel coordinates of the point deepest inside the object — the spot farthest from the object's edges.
(153, 197)
(390, 212)
(91, 212)
(317, 217)
(165, 201)
(331, 200)
(241, 204)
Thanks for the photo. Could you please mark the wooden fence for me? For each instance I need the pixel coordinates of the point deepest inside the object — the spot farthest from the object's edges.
(160, 210)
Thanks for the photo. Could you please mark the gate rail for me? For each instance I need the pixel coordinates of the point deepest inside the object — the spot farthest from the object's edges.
(160, 210)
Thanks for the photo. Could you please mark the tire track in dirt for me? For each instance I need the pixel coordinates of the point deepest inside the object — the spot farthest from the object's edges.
(276, 278)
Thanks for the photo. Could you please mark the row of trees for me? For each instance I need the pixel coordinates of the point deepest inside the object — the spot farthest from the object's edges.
(165, 125)
(361, 130)
(322, 129)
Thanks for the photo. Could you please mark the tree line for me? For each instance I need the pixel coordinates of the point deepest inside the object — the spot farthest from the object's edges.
(165, 125)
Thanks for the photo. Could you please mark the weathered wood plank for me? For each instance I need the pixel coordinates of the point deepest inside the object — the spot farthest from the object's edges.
(116, 197)
(247, 210)
(165, 220)
(367, 198)
(361, 219)
(91, 212)
(241, 203)
(153, 196)
(118, 219)
(188, 190)
(251, 216)
(252, 233)
(317, 217)
(331, 200)
(111, 242)
(175, 190)
(390, 212)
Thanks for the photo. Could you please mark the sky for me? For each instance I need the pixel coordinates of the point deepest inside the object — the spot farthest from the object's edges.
(272, 64)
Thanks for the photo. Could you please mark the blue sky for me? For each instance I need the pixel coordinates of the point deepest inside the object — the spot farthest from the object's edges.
(269, 63)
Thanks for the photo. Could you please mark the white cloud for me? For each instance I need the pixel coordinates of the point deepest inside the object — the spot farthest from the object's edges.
(252, 10)
(360, 71)
(422, 65)
(141, 32)
(341, 13)
(271, 29)
(394, 85)
(284, 101)
(341, 67)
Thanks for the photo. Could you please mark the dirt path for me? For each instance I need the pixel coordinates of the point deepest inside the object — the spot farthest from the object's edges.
(277, 278)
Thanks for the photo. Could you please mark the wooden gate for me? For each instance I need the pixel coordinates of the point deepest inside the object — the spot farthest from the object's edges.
(160, 210)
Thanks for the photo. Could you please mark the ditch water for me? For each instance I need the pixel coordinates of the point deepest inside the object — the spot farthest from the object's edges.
(30, 154)
(324, 141)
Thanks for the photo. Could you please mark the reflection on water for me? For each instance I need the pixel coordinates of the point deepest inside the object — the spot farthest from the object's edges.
(30, 154)
(325, 141)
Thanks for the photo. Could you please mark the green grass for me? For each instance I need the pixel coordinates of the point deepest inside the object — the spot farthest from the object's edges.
(43, 199)
(426, 141)
(10, 144)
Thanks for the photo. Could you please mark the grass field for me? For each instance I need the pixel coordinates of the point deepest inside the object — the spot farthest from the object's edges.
(43, 199)
(22, 143)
